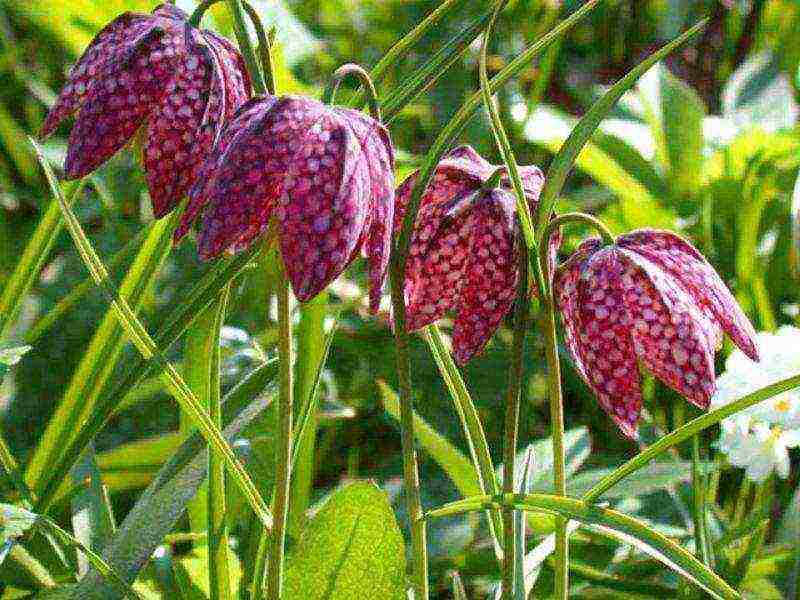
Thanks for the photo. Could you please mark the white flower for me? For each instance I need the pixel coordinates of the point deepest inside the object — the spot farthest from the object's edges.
(757, 439)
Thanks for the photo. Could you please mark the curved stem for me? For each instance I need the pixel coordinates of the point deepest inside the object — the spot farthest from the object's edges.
(410, 469)
(561, 574)
(515, 371)
(582, 218)
(361, 74)
(236, 8)
(283, 450)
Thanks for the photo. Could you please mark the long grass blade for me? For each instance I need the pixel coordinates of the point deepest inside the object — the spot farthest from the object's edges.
(148, 349)
(627, 528)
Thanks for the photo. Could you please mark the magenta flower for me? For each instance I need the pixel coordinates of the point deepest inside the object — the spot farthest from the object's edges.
(650, 297)
(463, 253)
(325, 174)
(159, 70)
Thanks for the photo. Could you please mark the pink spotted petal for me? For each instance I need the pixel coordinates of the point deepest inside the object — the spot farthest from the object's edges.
(435, 271)
(470, 160)
(671, 335)
(176, 142)
(490, 275)
(117, 107)
(259, 147)
(683, 262)
(241, 126)
(238, 86)
(565, 290)
(378, 152)
(323, 207)
(113, 43)
(604, 342)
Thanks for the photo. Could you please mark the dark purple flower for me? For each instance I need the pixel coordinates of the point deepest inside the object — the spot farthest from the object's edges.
(652, 298)
(463, 254)
(325, 173)
(154, 69)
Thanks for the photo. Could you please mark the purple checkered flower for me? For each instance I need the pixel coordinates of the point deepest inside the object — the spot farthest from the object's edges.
(157, 71)
(652, 298)
(324, 173)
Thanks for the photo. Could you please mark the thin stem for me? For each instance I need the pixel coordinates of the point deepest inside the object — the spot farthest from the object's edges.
(556, 418)
(515, 371)
(283, 450)
(218, 571)
(699, 484)
(410, 469)
(582, 218)
(361, 74)
(246, 46)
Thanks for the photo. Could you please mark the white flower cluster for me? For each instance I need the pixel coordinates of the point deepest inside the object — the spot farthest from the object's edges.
(758, 438)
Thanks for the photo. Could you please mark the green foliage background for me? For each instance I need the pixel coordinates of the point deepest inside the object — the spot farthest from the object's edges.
(706, 144)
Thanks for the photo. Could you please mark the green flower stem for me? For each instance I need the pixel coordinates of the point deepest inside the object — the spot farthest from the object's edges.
(580, 218)
(283, 450)
(410, 468)
(516, 369)
(236, 8)
(699, 489)
(218, 567)
(361, 74)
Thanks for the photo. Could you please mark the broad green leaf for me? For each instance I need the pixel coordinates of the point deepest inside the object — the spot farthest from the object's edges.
(164, 501)
(32, 260)
(458, 468)
(352, 548)
(613, 522)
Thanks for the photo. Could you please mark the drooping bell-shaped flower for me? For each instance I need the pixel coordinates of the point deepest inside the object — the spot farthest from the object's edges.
(326, 175)
(159, 71)
(649, 298)
(464, 251)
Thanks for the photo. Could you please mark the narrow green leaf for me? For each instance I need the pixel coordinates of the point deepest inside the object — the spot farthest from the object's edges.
(471, 426)
(686, 432)
(352, 548)
(164, 501)
(148, 349)
(582, 132)
(98, 362)
(31, 262)
(92, 520)
(627, 528)
(458, 468)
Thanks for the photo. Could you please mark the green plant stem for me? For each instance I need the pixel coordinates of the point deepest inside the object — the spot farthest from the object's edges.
(516, 369)
(361, 74)
(283, 450)
(240, 29)
(548, 318)
(218, 568)
(419, 564)
(699, 488)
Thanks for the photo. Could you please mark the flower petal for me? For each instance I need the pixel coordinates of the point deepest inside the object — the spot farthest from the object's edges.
(490, 275)
(238, 86)
(239, 126)
(114, 41)
(259, 147)
(435, 271)
(671, 335)
(378, 152)
(175, 143)
(604, 344)
(565, 291)
(116, 107)
(323, 205)
(683, 261)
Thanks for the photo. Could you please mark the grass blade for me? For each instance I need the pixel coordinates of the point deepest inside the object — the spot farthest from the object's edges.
(580, 134)
(623, 526)
(472, 427)
(32, 261)
(148, 349)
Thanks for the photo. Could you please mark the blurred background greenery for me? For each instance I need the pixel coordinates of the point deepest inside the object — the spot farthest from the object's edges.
(707, 145)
